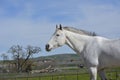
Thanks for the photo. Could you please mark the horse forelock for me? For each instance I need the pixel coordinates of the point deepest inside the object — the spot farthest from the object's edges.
(79, 31)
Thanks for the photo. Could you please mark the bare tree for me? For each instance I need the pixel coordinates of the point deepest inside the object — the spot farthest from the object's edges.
(4, 56)
(17, 53)
(30, 50)
(22, 55)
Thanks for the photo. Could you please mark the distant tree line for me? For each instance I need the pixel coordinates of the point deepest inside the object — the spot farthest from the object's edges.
(21, 57)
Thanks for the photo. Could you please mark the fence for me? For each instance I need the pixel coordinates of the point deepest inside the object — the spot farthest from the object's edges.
(84, 76)
(111, 74)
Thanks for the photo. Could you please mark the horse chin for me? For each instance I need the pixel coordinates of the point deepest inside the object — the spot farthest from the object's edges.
(48, 50)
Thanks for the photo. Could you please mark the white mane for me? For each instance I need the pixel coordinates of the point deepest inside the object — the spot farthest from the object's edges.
(83, 32)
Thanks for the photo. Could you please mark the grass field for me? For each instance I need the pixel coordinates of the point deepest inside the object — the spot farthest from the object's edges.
(68, 73)
(54, 77)
(79, 76)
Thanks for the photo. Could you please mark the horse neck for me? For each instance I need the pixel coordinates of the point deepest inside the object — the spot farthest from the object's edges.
(76, 41)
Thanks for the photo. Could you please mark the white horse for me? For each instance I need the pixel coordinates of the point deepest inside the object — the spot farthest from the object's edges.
(97, 52)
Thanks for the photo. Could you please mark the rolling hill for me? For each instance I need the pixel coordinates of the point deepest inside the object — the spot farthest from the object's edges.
(58, 60)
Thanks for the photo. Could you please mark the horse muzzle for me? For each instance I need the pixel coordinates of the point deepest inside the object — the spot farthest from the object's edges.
(47, 47)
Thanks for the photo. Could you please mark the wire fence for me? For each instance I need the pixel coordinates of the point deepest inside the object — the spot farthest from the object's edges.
(51, 77)
(111, 75)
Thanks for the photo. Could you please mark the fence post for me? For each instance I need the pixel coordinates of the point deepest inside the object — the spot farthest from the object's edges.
(27, 76)
(116, 75)
(39, 77)
(52, 77)
(77, 74)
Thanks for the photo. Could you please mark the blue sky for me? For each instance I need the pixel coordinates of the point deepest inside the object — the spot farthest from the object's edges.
(32, 22)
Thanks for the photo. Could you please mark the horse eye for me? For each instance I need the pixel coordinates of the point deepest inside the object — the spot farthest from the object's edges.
(57, 35)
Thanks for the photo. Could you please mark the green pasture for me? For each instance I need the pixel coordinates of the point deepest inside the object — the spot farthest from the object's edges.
(54, 77)
(68, 73)
(83, 76)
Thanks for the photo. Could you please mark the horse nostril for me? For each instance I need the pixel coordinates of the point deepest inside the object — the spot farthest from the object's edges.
(47, 47)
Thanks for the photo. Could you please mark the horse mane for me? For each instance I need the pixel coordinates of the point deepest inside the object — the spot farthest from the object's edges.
(79, 31)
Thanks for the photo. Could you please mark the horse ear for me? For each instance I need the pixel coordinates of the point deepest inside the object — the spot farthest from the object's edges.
(60, 27)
